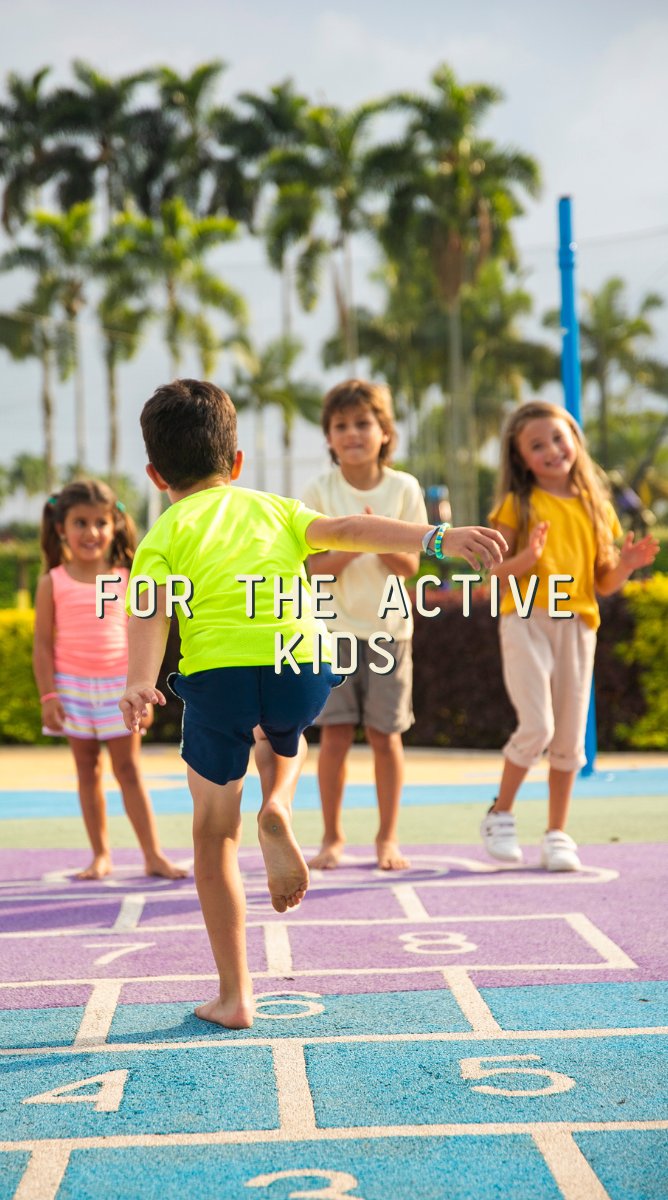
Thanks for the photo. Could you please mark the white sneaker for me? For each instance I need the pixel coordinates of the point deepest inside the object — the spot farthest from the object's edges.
(499, 837)
(558, 852)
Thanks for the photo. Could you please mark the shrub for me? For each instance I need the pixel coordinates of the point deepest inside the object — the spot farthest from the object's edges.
(647, 601)
(20, 712)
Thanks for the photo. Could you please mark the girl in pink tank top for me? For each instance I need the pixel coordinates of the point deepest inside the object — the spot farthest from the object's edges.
(80, 661)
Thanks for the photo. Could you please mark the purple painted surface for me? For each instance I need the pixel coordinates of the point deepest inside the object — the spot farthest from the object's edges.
(623, 893)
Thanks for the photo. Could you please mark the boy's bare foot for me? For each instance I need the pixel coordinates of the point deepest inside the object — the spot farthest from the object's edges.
(287, 873)
(162, 866)
(100, 866)
(390, 857)
(232, 1014)
(328, 856)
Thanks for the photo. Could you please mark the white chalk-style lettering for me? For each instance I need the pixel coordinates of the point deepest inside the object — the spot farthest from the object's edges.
(419, 596)
(354, 654)
(284, 653)
(173, 598)
(523, 606)
(555, 596)
(494, 595)
(401, 604)
(318, 597)
(100, 595)
(152, 590)
(390, 662)
(467, 582)
(294, 597)
(250, 581)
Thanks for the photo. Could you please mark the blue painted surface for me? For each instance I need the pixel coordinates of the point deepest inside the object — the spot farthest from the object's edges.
(632, 1164)
(39, 1026)
(403, 1169)
(580, 1006)
(180, 1091)
(12, 1165)
(18, 805)
(385, 1012)
(421, 1083)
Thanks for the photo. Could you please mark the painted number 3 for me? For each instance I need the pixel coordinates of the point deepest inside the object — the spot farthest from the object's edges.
(472, 1068)
(339, 1183)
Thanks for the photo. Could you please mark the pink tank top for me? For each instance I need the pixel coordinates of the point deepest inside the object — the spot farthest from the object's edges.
(85, 645)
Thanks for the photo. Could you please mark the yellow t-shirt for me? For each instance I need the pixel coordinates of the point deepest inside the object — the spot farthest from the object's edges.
(570, 549)
(213, 536)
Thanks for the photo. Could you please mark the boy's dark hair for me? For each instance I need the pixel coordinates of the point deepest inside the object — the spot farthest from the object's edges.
(374, 396)
(90, 492)
(190, 431)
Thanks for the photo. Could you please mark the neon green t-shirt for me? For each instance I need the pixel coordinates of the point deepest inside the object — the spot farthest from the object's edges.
(214, 535)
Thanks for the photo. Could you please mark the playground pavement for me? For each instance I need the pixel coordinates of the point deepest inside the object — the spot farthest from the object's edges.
(456, 1030)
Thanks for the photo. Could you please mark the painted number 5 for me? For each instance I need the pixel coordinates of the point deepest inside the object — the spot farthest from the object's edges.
(472, 1068)
(340, 1183)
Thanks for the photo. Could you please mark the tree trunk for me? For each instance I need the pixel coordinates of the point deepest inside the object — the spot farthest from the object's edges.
(287, 457)
(79, 401)
(286, 306)
(352, 351)
(603, 449)
(112, 401)
(462, 464)
(47, 418)
(260, 462)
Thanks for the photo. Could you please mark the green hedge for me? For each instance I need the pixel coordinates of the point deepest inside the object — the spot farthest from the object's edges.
(647, 601)
(20, 711)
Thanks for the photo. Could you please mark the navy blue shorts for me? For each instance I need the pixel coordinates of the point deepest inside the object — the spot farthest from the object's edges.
(223, 706)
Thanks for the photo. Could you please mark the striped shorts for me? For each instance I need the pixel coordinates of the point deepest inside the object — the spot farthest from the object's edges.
(91, 707)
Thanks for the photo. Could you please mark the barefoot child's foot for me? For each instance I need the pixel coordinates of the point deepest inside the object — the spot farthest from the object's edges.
(287, 873)
(162, 866)
(233, 1014)
(328, 856)
(390, 857)
(100, 866)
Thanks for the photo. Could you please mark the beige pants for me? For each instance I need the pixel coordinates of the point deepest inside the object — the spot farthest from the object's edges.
(547, 670)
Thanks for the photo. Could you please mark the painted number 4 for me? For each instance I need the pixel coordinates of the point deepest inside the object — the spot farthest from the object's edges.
(472, 1068)
(339, 1183)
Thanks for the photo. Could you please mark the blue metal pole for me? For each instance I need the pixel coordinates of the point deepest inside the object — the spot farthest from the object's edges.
(571, 375)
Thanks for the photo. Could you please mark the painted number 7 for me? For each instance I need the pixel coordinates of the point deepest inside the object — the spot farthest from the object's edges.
(472, 1068)
(340, 1183)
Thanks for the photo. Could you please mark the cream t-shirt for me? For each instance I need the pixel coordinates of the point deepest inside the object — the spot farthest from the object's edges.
(359, 588)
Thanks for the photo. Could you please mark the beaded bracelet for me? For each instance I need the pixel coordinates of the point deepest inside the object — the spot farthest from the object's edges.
(436, 552)
(48, 696)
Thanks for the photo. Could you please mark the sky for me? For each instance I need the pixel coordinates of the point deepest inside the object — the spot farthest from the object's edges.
(586, 92)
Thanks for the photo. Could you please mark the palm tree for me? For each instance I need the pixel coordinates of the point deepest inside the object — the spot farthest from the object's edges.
(265, 382)
(170, 253)
(325, 175)
(64, 254)
(609, 336)
(454, 194)
(122, 322)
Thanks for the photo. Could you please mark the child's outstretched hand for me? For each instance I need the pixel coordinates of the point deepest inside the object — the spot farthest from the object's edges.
(538, 538)
(638, 554)
(134, 704)
(471, 541)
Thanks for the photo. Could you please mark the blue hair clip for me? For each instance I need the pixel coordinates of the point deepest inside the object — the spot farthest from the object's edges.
(52, 500)
(119, 506)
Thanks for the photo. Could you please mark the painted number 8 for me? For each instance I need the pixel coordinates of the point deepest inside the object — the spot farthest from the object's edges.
(472, 1068)
(340, 1183)
(438, 942)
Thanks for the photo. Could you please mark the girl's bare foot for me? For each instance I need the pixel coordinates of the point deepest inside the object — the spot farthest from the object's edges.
(328, 856)
(100, 866)
(390, 857)
(287, 873)
(159, 865)
(232, 1014)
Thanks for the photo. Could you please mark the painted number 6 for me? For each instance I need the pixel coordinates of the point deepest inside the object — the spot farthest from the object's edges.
(472, 1068)
(340, 1183)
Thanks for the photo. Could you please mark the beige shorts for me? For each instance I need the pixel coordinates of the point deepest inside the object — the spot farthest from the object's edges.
(547, 670)
(382, 702)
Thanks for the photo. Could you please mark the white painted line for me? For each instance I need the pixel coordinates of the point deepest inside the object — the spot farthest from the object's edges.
(98, 1014)
(295, 1103)
(277, 949)
(222, 1043)
(130, 913)
(464, 991)
(44, 1172)
(337, 1133)
(572, 1173)
(599, 941)
(410, 902)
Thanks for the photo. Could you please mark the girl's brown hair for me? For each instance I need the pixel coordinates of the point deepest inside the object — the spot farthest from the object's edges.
(516, 479)
(90, 492)
(374, 396)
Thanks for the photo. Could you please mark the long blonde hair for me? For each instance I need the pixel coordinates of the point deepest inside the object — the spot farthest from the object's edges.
(516, 479)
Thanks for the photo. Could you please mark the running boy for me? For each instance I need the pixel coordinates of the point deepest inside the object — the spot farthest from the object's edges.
(215, 535)
(358, 423)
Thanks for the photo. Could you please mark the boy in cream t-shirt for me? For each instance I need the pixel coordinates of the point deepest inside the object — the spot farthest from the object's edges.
(358, 422)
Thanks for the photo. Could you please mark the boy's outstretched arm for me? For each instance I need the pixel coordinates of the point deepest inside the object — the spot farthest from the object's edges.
(147, 638)
(383, 535)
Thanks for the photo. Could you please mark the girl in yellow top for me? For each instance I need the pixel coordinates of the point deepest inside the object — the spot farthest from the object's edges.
(553, 511)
